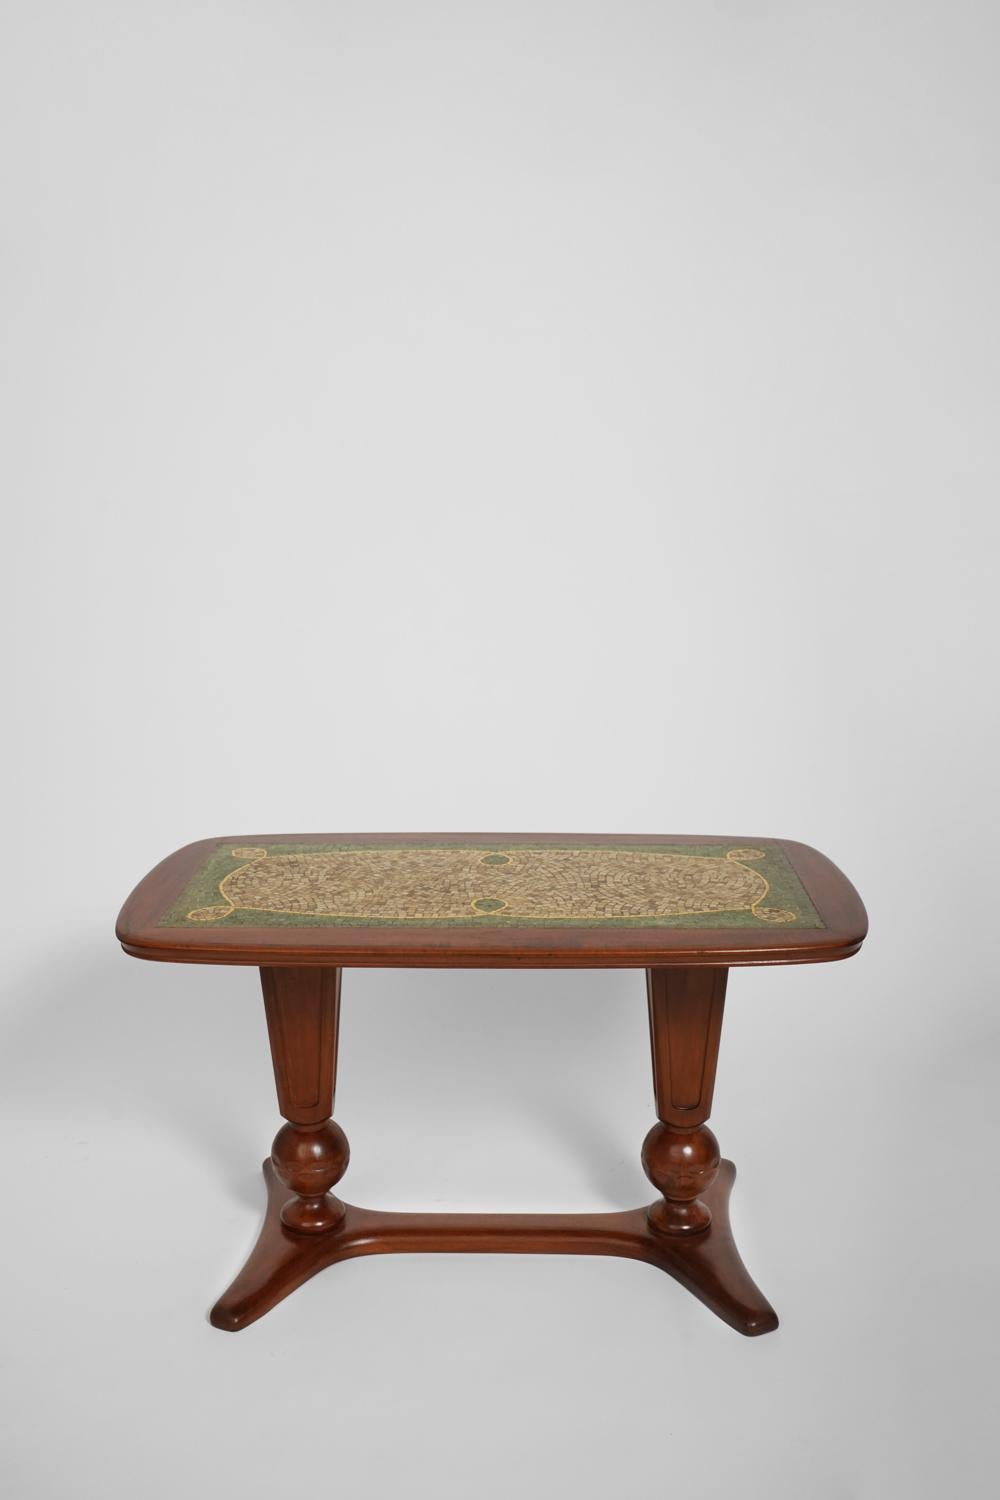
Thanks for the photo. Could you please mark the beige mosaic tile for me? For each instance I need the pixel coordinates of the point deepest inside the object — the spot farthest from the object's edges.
(513, 884)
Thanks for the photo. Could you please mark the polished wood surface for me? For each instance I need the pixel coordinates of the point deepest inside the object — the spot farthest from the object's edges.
(680, 1155)
(141, 934)
(310, 1153)
(707, 1264)
(684, 1232)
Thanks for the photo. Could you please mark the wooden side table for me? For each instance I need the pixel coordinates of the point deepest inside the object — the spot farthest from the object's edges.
(302, 908)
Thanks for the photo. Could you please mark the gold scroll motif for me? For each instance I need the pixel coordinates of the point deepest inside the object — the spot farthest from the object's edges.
(519, 884)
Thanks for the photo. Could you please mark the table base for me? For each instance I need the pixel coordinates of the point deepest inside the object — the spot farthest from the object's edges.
(706, 1262)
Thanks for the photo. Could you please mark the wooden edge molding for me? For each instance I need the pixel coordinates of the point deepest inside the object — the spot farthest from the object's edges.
(832, 894)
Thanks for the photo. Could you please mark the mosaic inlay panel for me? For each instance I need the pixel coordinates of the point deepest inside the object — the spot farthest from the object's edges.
(654, 885)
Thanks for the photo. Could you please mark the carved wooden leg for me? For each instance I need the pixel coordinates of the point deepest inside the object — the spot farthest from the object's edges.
(680, 1155)
(310, 1152)
(685, 1233)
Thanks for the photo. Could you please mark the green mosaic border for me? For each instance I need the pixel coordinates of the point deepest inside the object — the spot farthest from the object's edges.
(786, 891)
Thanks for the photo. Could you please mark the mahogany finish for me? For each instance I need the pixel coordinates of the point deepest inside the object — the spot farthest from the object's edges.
(518, 947)
(303, 1024)
(310, 1153)
(707, 1264)
(685, 1232)
(680, 1155)
(312, 1229)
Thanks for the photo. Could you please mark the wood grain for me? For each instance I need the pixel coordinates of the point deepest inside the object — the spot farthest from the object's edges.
(685, 1232)
(707, 1264)
(830, 891)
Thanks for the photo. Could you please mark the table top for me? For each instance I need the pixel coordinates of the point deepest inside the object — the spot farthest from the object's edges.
(493, 901)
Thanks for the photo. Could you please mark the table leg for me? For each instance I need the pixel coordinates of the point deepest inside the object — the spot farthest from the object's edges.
(680, 1155)
(685, 1232)
(310, 1152)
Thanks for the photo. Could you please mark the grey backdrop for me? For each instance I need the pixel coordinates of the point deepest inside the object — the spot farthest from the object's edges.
(499, 416)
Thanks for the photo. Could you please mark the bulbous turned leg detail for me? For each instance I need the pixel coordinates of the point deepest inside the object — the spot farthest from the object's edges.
(689, 1230)
(685, 1233)
(682, 1165)
(310, 1152)
(309, 1159)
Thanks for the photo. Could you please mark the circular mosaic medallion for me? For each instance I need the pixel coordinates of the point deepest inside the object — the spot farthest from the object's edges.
(486, 905)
